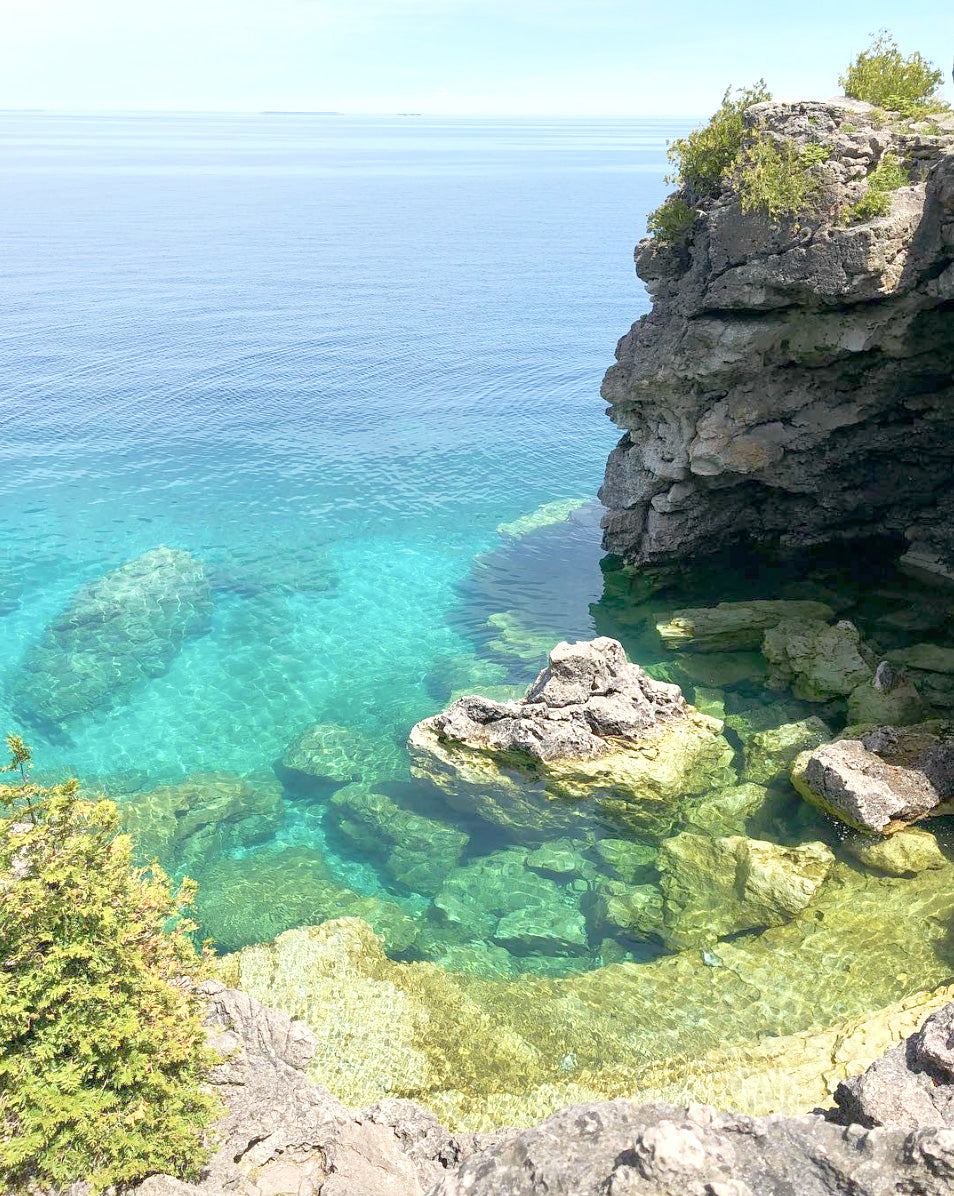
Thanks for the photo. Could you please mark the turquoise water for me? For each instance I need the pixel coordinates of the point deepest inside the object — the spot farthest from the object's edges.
(327, 357)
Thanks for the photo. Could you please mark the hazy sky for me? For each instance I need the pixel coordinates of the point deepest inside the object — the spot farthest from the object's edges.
(442, 56)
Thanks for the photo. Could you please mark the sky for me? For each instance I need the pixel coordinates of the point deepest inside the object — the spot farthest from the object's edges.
(480, 57)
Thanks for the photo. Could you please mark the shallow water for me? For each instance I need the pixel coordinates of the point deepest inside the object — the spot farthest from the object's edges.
(329, 358)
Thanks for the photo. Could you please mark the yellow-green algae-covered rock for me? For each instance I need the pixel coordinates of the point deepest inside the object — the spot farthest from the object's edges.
(716, 887)
(770, 753)
(908, 851)
(484, 1052)
(593, 734)
(725, 811)
(333, 754)
(734, 626)
(819, 661)
(257, 897)
(203, 816)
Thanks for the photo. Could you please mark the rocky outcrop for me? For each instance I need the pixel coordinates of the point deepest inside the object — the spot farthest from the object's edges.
(793, 382)
(882, 780)
(283, 1133)
(593, 731)
(117, 630)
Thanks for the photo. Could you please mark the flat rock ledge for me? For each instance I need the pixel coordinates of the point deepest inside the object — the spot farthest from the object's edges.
(893, 1131)
(593, 733)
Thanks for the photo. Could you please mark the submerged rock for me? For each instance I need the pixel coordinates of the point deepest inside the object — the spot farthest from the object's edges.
(417, 852)
(203, 817)
(770, 754)
(903, 854)
(716, 887)
(593, 731)
(117, 631)
(544, 516)
(328, 752)
(817, 660)
(882, 780)
(734, 626)
(725, 811)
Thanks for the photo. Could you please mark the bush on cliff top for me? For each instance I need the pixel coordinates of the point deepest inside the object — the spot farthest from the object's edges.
(702, 158)
(102, 1050)
(886, 177)
(779, 178)
(881, 75)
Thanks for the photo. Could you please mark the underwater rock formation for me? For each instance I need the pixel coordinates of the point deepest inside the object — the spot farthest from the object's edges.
(735, 626)
(740, 1024)
(883, 779)
(593, 731)
(793, 382)
(117, 630)
(416, 852)
(329, 753)
(716, 887)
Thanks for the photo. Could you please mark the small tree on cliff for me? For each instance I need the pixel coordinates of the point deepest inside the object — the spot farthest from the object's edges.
(102, 1050)
(881, 75)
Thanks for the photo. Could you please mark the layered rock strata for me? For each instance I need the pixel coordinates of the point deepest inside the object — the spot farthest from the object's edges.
(592, 732)
(793, 382)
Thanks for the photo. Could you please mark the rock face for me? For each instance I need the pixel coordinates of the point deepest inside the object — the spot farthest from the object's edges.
(592, 731)
(792, 384)
(117, 630)
(283, 1133)
(885, 779)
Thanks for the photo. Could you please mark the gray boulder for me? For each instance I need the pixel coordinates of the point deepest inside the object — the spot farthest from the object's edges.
(883, 780)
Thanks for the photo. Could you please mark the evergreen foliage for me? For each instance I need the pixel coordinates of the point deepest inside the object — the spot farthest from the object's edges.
(672, 221)
(884, 77)
(779, 178)
(702, 158)
(886, 177)
(102, 1050)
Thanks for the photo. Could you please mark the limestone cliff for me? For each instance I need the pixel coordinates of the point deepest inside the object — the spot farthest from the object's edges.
(793, 382)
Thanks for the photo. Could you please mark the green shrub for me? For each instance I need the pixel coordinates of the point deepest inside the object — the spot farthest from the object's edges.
(886, 177)
(102, 1052)
(779, 178)
(882, 76)
(702, 158)
(672, 221)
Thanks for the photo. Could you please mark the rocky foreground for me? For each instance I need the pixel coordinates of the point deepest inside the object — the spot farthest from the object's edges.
(792, 384)
(892, 1131)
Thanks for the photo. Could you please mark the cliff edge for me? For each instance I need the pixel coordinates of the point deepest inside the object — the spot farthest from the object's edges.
(793, 381)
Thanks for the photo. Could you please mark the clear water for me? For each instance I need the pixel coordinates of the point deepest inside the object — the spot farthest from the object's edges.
(328, 357)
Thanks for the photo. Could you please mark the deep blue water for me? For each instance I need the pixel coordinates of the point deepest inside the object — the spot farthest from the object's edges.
(328, 356)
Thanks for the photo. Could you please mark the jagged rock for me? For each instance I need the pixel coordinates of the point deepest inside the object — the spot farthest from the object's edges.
(883, 779)
(336, 755)
(716, 887)
(117, 631)
(417, 852)
(282, 1133)
(621, 1149)
(792, 384)
(909, 1088)
(903, 854)
(734, 626)
(817, 660)
(770, 754)
(593, 731)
